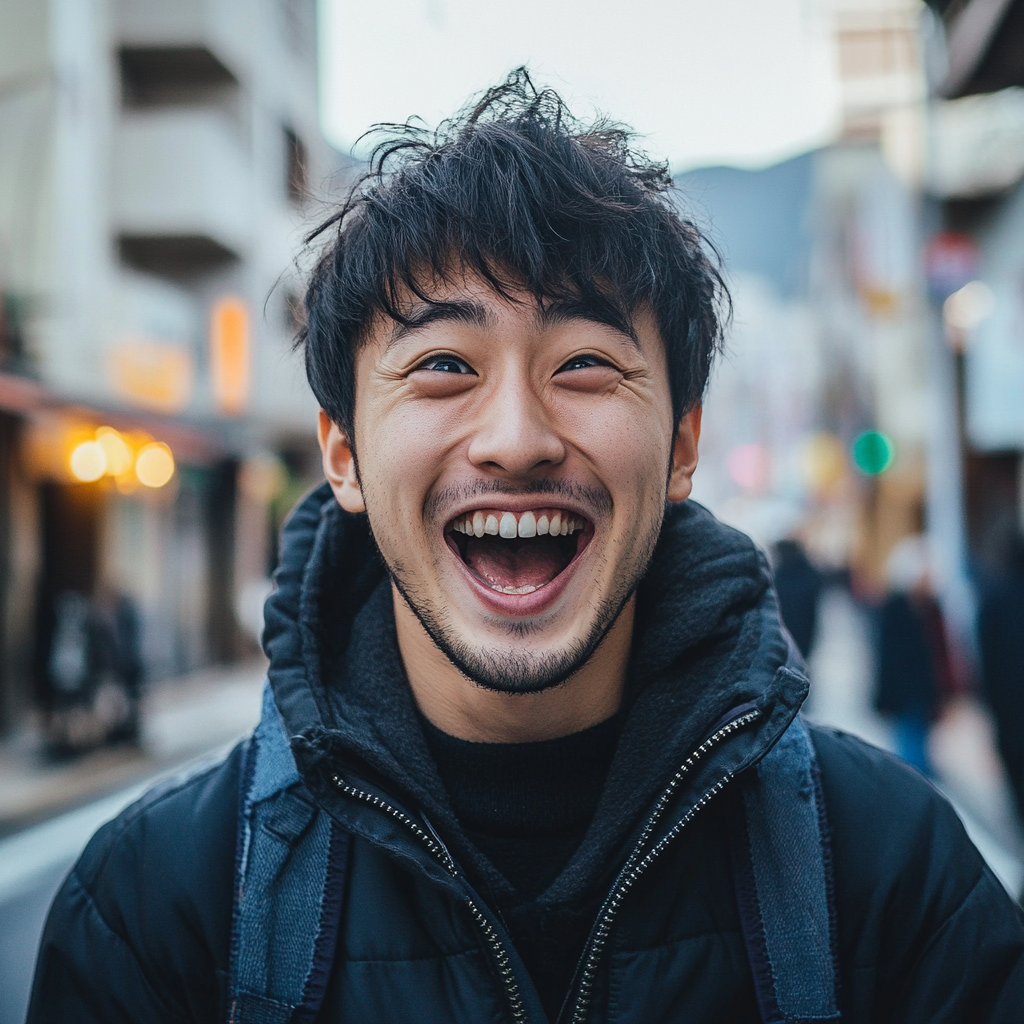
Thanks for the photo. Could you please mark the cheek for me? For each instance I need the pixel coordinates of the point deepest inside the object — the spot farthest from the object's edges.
(403, 458)
(628, 445)
(397, 443)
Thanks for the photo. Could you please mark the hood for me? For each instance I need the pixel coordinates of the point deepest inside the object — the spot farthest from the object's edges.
(707, 640)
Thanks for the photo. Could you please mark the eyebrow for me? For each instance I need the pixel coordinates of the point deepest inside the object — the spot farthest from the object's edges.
(562, 311)
(476, 314)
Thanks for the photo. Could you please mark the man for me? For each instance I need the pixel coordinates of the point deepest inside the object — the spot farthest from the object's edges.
(530, 748)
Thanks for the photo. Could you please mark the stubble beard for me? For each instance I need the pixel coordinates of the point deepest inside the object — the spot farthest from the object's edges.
(514, 669)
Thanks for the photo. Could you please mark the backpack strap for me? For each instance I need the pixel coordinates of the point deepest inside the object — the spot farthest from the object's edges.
(782, 866)
(289, 882)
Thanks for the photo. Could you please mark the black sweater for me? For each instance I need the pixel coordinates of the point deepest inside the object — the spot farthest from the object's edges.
(527, 807)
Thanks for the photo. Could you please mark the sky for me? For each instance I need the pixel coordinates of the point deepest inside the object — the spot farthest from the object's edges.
(738, 82)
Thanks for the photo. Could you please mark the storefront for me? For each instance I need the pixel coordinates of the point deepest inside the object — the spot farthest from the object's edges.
(105, 510)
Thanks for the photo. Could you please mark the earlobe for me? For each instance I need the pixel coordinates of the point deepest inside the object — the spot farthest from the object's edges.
(684, 455)
(339, 465)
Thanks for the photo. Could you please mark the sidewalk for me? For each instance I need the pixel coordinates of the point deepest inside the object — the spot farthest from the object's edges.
(182, 719)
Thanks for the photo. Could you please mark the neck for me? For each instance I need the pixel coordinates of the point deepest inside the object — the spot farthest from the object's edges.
(462, 708)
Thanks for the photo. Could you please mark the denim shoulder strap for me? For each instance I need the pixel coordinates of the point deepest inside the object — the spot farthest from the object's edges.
(783, 871)
(289, 880)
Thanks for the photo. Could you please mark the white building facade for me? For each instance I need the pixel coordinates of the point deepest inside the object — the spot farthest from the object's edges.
(156, 177)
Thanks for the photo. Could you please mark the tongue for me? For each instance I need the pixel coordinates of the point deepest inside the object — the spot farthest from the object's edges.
(515, 563)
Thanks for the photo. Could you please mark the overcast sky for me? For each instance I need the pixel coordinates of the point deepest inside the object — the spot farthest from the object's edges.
(743, 82)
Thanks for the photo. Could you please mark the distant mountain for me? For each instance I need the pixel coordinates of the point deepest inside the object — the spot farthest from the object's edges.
(759, 219)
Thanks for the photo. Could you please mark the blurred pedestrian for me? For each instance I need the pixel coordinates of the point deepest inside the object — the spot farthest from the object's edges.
(93, 672)
(913, 665)
(118, 659)
(1001, 643)
(70, 677)
(798, 586)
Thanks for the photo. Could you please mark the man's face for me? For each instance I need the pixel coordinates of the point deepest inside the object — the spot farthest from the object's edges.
(513, 465)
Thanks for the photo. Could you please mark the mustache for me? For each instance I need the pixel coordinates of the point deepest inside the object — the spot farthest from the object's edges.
(596, 498)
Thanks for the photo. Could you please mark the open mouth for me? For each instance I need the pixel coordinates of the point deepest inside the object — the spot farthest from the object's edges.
(518, 552)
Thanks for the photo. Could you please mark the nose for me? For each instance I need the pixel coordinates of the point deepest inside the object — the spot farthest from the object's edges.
(515, 434)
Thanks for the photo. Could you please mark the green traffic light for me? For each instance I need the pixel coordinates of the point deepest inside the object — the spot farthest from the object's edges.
(873, 452)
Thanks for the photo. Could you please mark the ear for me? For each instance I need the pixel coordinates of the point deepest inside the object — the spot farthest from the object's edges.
(684, 455)
(340, 465)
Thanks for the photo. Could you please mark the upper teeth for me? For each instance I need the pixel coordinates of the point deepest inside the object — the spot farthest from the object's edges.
(518, 524)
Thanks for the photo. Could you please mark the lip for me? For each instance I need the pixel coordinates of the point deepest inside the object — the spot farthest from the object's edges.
(522, 605)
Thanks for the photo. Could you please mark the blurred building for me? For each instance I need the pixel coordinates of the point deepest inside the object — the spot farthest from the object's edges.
(829, 348)
(869, 281)
(156, 170)
(975, 182)
(873, 386)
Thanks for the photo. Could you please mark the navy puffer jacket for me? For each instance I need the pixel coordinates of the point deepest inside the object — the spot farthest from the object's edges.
(141, 929)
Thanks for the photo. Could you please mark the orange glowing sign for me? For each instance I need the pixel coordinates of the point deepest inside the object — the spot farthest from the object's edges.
(155, 374)
(229, 354)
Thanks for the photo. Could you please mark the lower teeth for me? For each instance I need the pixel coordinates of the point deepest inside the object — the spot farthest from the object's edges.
(528, 589)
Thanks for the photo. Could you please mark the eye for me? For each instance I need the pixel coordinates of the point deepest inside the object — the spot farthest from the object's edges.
(583, 362)
(445, 364)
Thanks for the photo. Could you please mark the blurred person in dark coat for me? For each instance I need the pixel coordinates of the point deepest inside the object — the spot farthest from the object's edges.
(70, 676)
(94, 671)
(117, 642)
(913, 666)
(798, 586)
(1001, 643)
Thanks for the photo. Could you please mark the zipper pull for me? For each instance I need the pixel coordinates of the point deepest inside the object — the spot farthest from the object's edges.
(453, 868)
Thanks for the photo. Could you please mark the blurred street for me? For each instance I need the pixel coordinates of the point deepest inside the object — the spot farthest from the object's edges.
(859, 168)
(182, 719)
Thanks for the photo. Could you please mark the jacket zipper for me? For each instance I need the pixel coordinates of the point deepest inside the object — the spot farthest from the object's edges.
(437, 850)
(627, 877)
(635, 866)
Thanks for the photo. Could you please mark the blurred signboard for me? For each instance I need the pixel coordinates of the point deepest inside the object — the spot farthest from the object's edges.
(977, 145)
(994, 369)
(157, 375)
(951, 260)
(229, 354)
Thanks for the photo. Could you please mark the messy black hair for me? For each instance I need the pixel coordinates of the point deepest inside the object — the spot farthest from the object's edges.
(519, 192)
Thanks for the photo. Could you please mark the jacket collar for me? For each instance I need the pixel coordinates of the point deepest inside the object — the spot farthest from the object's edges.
(708, 639)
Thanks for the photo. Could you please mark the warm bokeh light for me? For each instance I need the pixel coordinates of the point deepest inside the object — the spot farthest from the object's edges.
(262, 478)
(823, 462)
(88, 461)
(119, 455)
(154, 465)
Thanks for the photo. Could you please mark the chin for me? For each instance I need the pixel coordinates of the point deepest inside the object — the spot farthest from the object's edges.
(522, 654)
